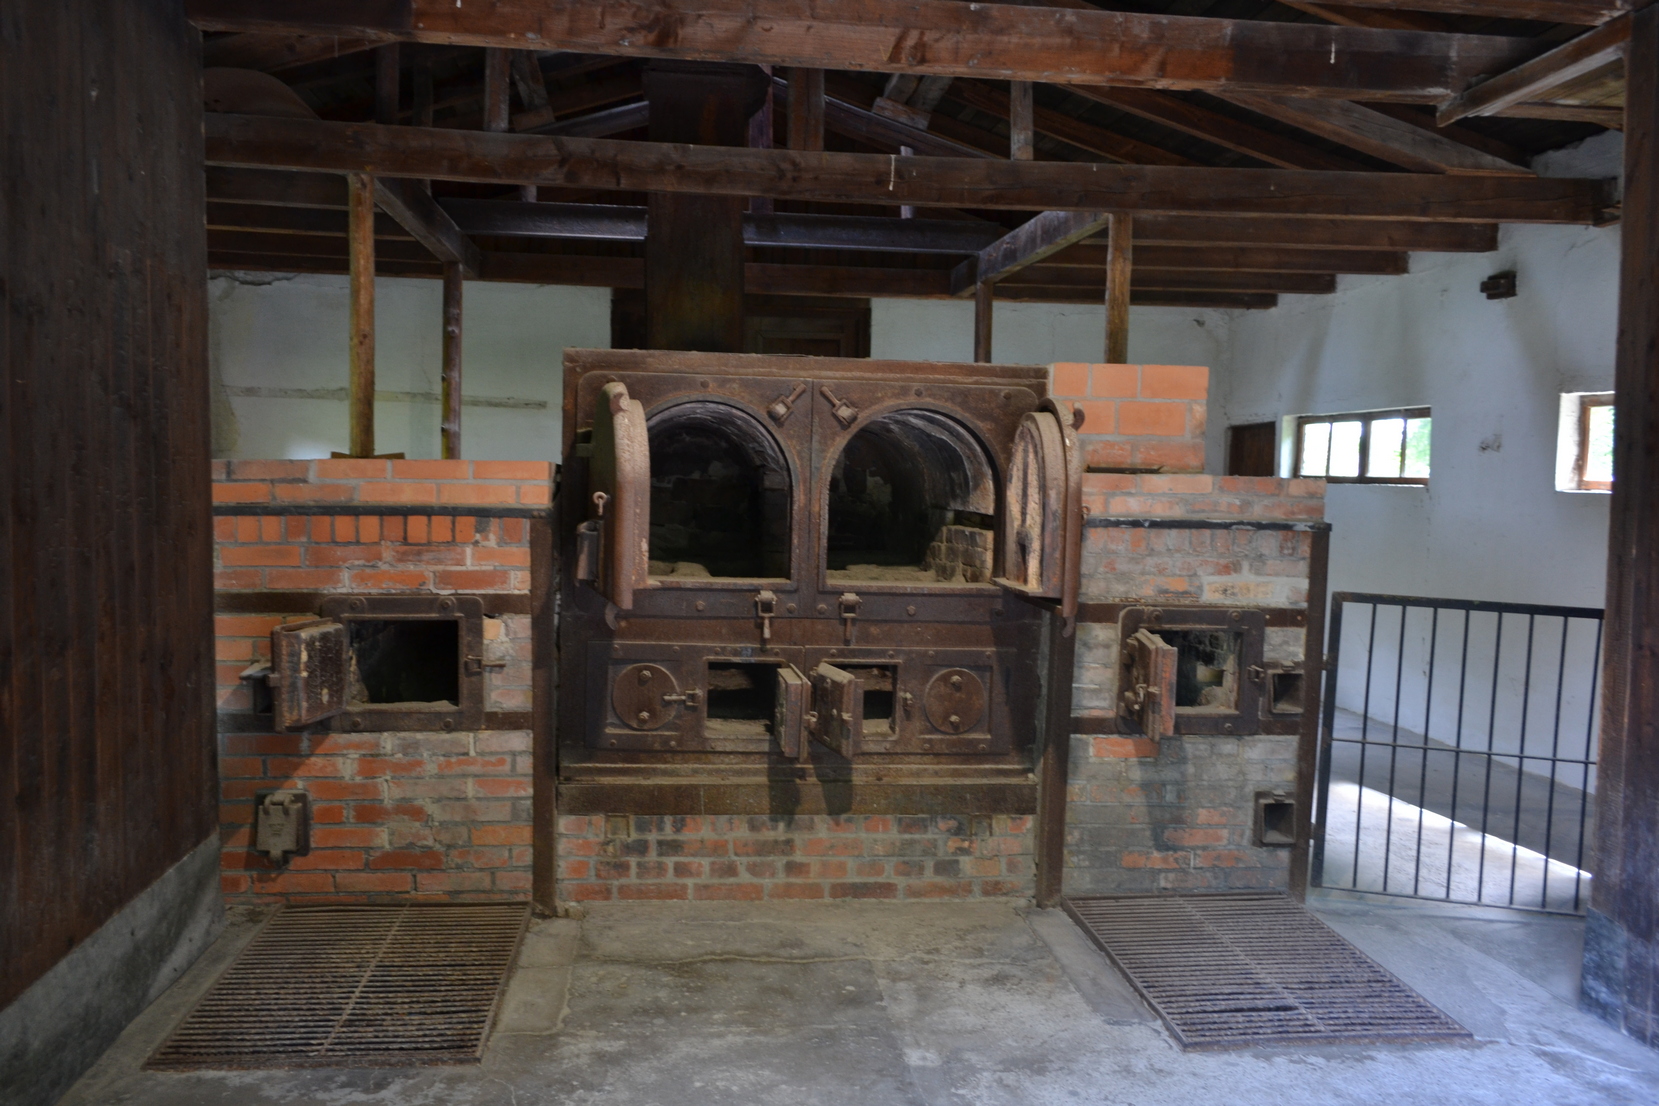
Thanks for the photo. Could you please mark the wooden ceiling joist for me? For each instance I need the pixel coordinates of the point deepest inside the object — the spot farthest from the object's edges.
(1532, 80)
(274, 53)
(1085, 136)
(1025, 245)
(1586, 12)
(418, 213)
(610, 164)
(927, 37)
(1382, 136)
(1363, 234)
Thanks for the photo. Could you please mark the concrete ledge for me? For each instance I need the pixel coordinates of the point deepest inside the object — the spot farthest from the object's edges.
(56, 1029)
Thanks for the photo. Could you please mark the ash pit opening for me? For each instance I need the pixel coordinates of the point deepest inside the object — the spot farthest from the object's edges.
(719, 495)
(912, 499)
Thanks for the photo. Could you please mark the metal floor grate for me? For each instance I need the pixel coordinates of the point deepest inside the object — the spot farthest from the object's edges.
(1235, 970)
(352, 986)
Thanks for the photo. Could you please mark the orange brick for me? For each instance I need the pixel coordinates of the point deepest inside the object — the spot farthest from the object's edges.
(516, 556)
(247, 528)
(443, 528)
(417, 529)
(1189, 837)
(345, 528)
(1069, 378)
(241, 766)
(373, 881)
(1143, 417)
(286, 883)
(328, 813)
(1174, 382)
(476, 493)
(745, 892)
(939, 889)
(453, 881)
(390, 766)
(512, 470)
(501, 835)
(1136, 858)
(344, 743)
(314, 493)
(431, 470)
(327, 860)
(1114, 381)
(504, 788)
(1125, 747)
(270, 470)
(260, 555)
(795, 891)
(346, 790)
(592, 892)
(241, 493)
(1099, 416)
(375, 491)
(537, 495)
(652, 891)
(224, 529)
(466, 529)
(1184, 484)
(304, 579)
(1302, 487)
(346, 837)
(380, 812)
(388, 578)
(261, 744)
(521, 881)
(333, 555)
(1107, 454)
(472, 579)
(428, 555)
(305, 767)
(368, 528)
(248, 625)
(481, 858)
(351, 468)
(465, 765)
(407, 858)
(1185, 456)
(233, 884)
(1222, 858)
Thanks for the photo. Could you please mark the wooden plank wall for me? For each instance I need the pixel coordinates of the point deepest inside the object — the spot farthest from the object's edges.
(106, 738)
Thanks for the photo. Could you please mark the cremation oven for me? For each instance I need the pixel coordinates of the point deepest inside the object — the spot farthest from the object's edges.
(813, 565)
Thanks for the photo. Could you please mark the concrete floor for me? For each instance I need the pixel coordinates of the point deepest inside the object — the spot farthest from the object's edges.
(929, 1004)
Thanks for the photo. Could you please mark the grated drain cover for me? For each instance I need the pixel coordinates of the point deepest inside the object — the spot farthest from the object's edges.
(353, 986)
(1235, 970)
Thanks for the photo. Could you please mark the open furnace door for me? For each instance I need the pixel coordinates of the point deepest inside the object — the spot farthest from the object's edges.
(619, 497)
(1042, 533)
(310, 662)
(1147, 700)
(838, 701)
(790, 710)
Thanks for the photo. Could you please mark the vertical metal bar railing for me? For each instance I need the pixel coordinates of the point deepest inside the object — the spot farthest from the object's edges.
(1442, 831)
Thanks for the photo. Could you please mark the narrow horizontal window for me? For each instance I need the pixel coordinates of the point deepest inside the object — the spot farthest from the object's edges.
(1365, 447)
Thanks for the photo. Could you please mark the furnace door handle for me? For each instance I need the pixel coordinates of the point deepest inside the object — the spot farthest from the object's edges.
(845, 413)
(476, 665)
(688, 699)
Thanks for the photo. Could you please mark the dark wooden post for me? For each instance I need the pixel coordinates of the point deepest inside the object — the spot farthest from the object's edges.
(694, 243)
(497, 67)
(806, 109)
(1621, 946)
(360, 237)
(984, 301)
(388, 61)
(1021, 125)
(451, 425)
(1120, 241)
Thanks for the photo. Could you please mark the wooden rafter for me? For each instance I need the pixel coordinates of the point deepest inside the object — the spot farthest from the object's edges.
(1027, 244)
(928, 37)
(1381, 136)
(274, 53)
(609, 164)
(1086, 136)
(1586, 12)
(1532, 80)
(417, 212)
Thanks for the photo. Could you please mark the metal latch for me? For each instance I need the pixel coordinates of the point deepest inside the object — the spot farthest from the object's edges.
(587, 541)
(475, 665)
(849, 604)
(845, 413)
(784, 406)
(1256, 673)
(689, 699)
(766, 608)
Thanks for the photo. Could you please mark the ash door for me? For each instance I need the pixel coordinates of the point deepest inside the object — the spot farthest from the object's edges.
(614, 544)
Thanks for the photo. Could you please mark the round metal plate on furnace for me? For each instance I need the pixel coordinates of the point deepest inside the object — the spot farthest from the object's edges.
(954, 700)
(637, 696)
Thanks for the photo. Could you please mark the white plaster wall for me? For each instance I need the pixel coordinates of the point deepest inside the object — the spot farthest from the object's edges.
(274, 339)
(1041, 333)
(1490, 525)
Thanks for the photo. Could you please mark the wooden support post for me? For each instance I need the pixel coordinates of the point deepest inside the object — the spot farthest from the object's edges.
(360, 238)
(806, 109)
(1621, 945)
(984, 299)
(760, 138)
(497, 70)
(1119, 260)
(388, 72)
(1021, 124)
(451, 424)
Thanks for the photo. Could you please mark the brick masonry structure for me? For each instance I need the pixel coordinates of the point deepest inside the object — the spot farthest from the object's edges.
(804, 857)
(1177, 813)
(439, 815)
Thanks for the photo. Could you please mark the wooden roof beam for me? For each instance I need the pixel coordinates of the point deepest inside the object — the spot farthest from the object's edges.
(1532, 80)
(418, 213)
(1381, 136)
(1085, 136)
(929, 38)
(274, 53)
(1027, 244)
(1588, 13)
(609, 164)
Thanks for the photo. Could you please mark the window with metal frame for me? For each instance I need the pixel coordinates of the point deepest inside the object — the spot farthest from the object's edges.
(1365, 447)
(1593, 466)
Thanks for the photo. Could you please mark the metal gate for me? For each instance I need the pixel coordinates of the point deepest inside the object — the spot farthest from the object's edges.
(1458, 751)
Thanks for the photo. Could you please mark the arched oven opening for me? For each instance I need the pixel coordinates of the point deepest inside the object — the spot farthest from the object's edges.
(912, 500)
(719, 495)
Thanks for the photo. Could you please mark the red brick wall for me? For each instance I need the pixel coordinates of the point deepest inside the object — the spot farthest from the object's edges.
(1138, 416)
(805, 857)
(395, 815)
